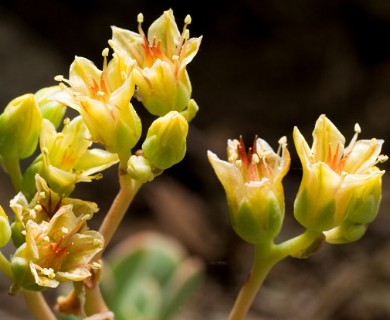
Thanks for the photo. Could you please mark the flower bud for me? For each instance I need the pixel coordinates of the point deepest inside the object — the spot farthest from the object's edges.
(50, 109)
(140, 169)
(20, 124)
(5, 228)
(165, 143)
(160, 90)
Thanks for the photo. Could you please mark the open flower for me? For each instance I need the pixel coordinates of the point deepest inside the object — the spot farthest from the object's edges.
(253, 184)
(339, 183)
(161, 57)
(103, 100)
(66, 158)
(56, 251)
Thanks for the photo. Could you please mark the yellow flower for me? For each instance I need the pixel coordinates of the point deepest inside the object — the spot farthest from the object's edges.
(253, 184)
(339, 184)
(103, 100)
(161, 57)
(66, 158)
(56, 251)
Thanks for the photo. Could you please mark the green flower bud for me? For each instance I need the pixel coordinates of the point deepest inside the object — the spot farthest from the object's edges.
(50, 109)
(20, 124)
(5, 228)
(140, 169)
(165, 143)
(17, 236)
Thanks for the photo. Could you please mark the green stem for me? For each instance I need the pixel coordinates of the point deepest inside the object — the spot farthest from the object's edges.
(12, 168)
(94, 301)
(118, 209)
(5, 266)
(265, 258)
(301, 246)
(267, 254)
(38, 305)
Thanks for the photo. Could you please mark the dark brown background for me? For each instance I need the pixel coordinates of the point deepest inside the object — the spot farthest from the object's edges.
(263, 67)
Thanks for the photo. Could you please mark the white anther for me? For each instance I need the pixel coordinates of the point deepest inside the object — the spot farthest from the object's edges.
(357, 128)
(140, 18)
(59, 78)
(105, 52)
(282, 140)
(65, 230)
(100, 93)
(37, 207)
(175, 57)
(66, 121)
(96, 266)
(32, 213)
(382, 158)
(238, 163)
(46, 238)
(188, 19)
(186, 34)
(255, 158)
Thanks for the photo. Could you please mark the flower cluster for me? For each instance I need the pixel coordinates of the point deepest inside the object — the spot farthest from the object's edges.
(339, 195)
(50, 232)
(151, 68)
(53, 241)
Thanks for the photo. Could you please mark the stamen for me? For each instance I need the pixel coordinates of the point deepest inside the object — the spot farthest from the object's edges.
(357, 128)
(382, 158)
(185, 35)
(282, 142)
(65, 230)
(59, 78)
(140, 20)
(351, 145)
(105, 52)
(255, 158)
(96, 266)
(188, 19)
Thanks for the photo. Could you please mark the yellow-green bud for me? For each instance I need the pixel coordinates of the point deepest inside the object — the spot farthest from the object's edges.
(17, 236)
(140, 168)
(160, 89)
(20, 125)
(165, 143)
(5, 228)
(22, 272)
(345, 233)
(50, 109)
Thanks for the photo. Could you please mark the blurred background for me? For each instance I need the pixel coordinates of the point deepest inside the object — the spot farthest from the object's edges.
(263, 67)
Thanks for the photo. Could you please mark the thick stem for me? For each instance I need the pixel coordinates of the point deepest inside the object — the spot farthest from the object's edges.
(12, 167)
(38, 305)
(5, 266)
(111, 222)
(265, 258)
(94, 302)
